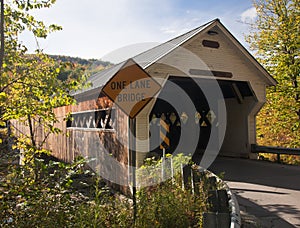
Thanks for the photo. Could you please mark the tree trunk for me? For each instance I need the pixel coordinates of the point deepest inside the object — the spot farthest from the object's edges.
(31, 131)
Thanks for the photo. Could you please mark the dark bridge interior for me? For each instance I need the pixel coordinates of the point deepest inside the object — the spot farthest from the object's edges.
(206, 115)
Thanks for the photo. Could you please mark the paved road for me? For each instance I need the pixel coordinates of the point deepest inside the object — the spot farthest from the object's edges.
(268, 193)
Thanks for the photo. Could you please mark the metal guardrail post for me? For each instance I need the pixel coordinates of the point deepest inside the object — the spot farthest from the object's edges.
(278, 158)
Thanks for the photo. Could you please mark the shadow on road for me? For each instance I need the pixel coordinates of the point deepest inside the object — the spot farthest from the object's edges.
(268, 191)
(265, 218)
(258, 172)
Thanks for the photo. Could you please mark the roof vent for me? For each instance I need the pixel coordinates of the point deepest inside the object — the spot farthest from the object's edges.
(212, 32)
(210, 44)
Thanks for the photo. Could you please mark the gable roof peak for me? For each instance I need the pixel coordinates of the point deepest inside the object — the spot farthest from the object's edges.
(153, 55)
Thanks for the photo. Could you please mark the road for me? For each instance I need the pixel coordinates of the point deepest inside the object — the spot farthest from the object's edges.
(268, 193)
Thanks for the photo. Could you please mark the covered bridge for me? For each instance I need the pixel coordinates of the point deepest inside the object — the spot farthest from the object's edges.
(196, 62)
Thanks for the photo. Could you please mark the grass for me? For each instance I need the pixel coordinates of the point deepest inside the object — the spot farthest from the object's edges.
(54, 194)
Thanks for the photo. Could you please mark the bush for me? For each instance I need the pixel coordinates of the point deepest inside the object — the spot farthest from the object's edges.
(38, 195)
(172, 203)
(48, 194)
(168, 205)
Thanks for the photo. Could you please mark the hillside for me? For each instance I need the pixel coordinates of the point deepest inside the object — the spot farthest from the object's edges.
(79, 65)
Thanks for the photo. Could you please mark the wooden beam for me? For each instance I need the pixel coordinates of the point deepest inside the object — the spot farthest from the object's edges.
(237, 93)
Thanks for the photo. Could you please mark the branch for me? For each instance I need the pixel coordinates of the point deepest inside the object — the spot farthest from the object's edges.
(12, 82)
(44, 140)
(31, 131)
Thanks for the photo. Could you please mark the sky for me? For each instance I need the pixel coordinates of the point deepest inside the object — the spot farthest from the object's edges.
(97, 28)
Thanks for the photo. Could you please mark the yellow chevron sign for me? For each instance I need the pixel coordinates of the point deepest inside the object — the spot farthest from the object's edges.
(164, 130)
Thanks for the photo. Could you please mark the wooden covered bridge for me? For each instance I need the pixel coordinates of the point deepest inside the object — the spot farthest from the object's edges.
(205, 56)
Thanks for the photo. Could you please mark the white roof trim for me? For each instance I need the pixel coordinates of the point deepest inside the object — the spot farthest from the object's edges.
(178, 45)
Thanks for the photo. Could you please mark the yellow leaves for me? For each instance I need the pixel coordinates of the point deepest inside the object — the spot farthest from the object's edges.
(3, 95)
(30, 80)
(276, 122)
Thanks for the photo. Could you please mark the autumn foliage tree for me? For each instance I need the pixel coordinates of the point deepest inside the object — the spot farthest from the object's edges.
(275, 40)
(29, 85)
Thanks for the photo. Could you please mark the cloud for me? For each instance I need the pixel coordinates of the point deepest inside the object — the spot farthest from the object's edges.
(168, 30)
(176, 24)
(249, 14)
(124, 53)
(94, 28)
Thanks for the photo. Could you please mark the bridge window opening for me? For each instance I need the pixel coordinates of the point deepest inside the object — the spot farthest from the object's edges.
(103, 119)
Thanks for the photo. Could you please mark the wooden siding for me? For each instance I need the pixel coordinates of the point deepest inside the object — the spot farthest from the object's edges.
(142, 132)
(89, 143)
(236, 141)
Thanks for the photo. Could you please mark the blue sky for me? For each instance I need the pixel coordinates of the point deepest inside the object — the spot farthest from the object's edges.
(95, 28)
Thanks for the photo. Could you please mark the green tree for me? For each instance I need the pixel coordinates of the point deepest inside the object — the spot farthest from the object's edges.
(29, 87)
(275, 40)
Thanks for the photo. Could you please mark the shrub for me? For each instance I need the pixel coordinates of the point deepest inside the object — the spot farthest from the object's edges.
(48, 194)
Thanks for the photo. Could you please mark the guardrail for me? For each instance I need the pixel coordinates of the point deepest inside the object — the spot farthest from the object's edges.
(218, 219)
(275, 150)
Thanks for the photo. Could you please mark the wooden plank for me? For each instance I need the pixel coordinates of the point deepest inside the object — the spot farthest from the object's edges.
(237, 93)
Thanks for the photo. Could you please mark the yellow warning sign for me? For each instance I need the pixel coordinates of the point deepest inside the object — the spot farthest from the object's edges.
(131, 88)
(164, 130)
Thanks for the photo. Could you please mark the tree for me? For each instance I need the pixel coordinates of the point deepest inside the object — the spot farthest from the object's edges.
(1, 34)
(29, 87)
(275, 41)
